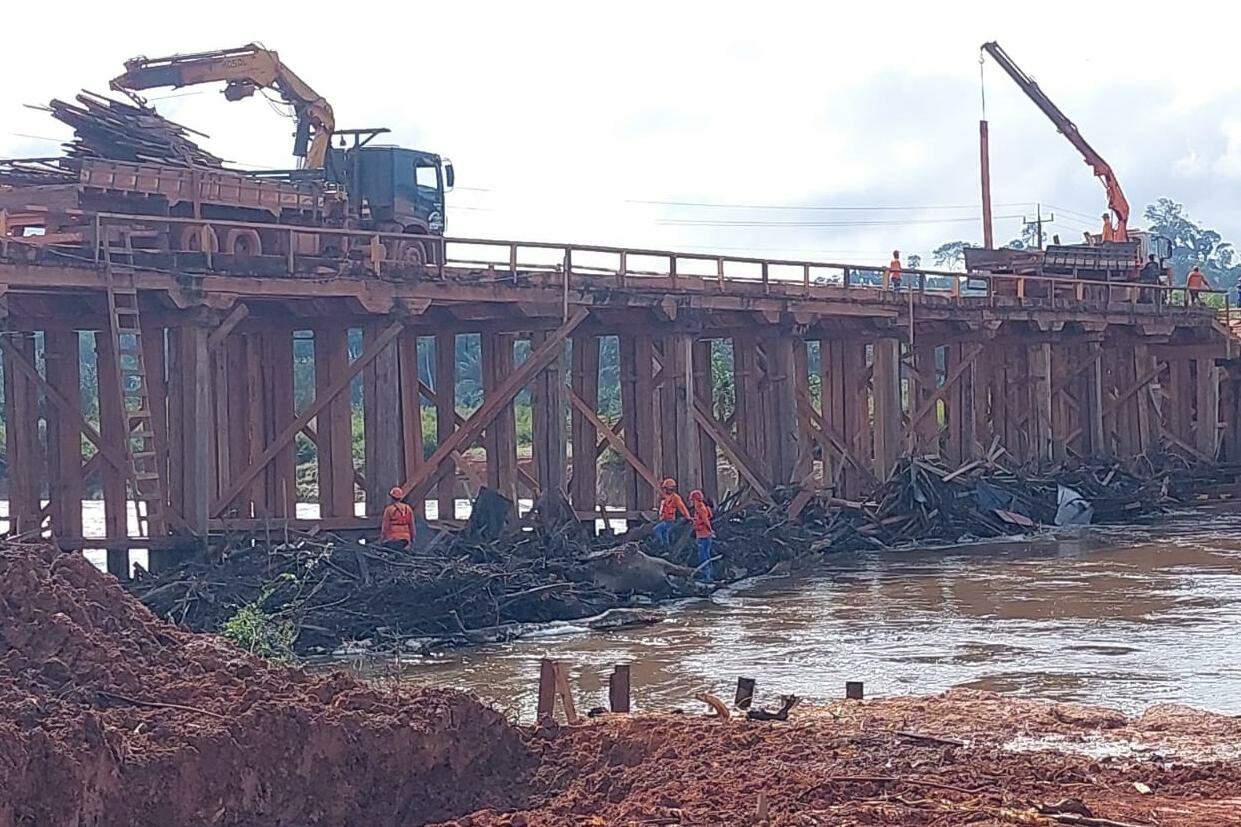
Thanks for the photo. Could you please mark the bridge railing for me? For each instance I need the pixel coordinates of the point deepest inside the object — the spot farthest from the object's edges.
(297, 249)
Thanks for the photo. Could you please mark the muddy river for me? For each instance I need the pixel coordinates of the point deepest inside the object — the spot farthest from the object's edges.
(1122, 616)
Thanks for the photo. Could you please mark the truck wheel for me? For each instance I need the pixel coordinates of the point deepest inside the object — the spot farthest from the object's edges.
(242, 241)
(408, 253)
(190, 239)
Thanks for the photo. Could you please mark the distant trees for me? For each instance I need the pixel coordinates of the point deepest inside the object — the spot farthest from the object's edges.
(951, 255)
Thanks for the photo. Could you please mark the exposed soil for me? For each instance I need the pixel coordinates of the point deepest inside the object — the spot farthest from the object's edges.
(956, 758)
(111, 716)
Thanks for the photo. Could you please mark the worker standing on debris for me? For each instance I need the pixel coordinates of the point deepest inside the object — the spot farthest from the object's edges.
(704, 534)
(670, 504)
(892, 276)
(397, 529)
(1196, 281)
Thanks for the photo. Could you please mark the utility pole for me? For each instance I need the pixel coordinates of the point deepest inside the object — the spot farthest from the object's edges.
(1037, 223)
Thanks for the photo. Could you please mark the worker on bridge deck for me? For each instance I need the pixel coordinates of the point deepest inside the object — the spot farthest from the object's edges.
(397, 529)
(892, 275)
(704, 533)
(1196, 281)
(670, 505)
(1109, 232)
(1151, 275)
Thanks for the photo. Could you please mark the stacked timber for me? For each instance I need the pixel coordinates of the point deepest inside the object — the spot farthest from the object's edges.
(107, 128)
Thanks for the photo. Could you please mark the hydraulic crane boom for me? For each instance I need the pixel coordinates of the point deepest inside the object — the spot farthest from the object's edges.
(1115, 197)
(244, 70)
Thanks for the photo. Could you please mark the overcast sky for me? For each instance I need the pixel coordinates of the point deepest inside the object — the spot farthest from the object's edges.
(819, 130)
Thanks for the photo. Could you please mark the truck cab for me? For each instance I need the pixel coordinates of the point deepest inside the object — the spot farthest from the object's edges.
(391, 188)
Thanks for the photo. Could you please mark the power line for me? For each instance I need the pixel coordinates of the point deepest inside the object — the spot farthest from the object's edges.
(834, 207)
(673, 222)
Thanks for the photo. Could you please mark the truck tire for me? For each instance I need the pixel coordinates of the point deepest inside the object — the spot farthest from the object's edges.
(408, 253)
(243, 241)
(190, 239)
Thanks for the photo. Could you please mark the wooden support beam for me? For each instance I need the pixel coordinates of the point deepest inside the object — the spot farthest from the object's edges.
(1206, 407)
(1039, 361)
(382, 413)
(513, 383)
(782, 431)
(704, 392)
(333, 424)
(548, 415)
(112, 427)
(500, 440)
(411, 410)
(584, 376)
(277, 372)
(930, 401)
(582, 407)
(61, 358)
(445, 416)
(887, 406)
(747, 467)
(227, 325)
(291, 430)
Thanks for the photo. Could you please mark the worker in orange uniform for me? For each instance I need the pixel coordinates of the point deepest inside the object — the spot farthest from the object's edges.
(1196, 281)
(704, 533)
(397, 530)
(1109, 233)
(892, 275)
(670, 504)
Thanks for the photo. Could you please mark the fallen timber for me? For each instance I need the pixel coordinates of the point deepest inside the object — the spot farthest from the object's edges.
(499, 577)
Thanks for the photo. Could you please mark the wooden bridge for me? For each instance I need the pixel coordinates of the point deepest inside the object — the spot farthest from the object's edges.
(833, 377)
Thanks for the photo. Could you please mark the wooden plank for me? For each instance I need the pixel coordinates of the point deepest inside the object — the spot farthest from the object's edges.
(1039, 360)
(479, 420)
(1206, 407)
(584, 377)
(292, 429)
(226, 326)
(278, 372)
(646, 432)
(196, 418)
(782, 427)
(61, 358)
(382, 412)
(445, 415)
(628, 377)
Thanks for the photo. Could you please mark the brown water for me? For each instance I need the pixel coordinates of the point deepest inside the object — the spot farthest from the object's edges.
(1122, 616)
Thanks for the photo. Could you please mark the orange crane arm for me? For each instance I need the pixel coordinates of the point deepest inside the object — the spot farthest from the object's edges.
(1115, 198)
(244, 70)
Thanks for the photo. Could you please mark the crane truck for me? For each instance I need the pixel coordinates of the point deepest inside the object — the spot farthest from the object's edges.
(1115, 253)
(364, 185)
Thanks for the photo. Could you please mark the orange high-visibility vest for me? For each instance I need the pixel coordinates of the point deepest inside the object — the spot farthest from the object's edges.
(398, 523)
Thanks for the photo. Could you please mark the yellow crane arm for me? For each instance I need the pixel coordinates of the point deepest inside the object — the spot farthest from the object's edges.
(243, 70)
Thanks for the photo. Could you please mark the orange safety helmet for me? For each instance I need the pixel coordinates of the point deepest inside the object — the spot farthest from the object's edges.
(668, 483)
(695, 496)
(396, 493)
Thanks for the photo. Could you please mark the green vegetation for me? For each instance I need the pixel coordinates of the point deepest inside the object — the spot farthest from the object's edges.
(260, 632)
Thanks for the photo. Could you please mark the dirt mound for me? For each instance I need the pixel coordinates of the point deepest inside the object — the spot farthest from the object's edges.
(111, 716)
(942, 760)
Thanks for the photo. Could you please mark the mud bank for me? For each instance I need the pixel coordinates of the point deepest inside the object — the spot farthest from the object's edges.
(959, 758)
(110, 716)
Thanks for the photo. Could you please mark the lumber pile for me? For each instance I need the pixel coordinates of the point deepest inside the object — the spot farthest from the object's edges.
(107, 128)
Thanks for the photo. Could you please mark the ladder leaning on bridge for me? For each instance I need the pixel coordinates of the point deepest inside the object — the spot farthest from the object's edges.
(145, 480)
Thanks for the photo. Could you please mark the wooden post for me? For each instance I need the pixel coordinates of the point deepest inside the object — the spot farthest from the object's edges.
(704, 393)
(112, 429)
(281, 494)
(196, 418)
(411, 410)
(64, 438)
(925, 436)
(887, 406)
(618, 688)
(548, 415)
(782, 428)
(745, 693)
(500, 442)
(445, 415)
(155, 358)
(1039, 356)
(1206, 421)
(584, 376)
(334, 425)
(1091, 402)
(854, 690)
